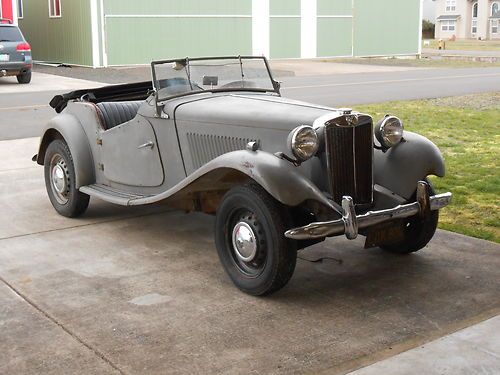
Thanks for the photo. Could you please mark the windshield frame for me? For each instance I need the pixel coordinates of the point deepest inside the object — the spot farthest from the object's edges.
(185, 61)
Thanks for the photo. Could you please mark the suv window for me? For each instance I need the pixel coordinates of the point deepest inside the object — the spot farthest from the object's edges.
(10, 34)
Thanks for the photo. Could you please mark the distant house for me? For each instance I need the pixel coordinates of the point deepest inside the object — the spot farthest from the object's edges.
(468, 19)
(11, 10)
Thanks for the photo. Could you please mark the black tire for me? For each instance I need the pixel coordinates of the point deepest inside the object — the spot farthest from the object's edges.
(418, 232)
(68, 201)
(275, 255)
(24, 78)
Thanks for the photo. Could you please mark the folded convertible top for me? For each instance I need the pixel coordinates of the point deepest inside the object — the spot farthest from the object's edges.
(112, 93)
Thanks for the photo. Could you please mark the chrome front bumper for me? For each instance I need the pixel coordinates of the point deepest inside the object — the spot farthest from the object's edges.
(350, 223)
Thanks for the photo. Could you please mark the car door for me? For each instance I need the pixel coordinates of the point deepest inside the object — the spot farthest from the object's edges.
(130, 154)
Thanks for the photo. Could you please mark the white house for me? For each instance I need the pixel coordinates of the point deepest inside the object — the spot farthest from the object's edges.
(467, 19)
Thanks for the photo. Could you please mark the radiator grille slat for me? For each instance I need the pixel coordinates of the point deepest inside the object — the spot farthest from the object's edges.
(349, 153)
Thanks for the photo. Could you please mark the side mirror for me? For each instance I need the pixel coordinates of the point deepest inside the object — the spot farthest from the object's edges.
(277, 85)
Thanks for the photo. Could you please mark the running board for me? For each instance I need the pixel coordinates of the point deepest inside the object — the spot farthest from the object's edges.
(110, 194)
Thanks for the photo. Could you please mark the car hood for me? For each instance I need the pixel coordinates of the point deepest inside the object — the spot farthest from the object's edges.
(260, 111)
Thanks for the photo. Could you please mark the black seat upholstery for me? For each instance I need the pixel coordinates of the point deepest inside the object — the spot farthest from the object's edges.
(116, 113)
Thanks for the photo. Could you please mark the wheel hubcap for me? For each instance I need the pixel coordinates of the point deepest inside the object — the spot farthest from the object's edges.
(244, 242)
(59, 179)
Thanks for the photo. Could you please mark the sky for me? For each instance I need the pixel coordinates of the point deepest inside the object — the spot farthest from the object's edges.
(429, 10)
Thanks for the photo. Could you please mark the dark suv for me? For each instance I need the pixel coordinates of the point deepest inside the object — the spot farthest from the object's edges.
(15, 53)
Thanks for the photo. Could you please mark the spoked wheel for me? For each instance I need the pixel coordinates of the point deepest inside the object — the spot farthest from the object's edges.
(418, 232)
(60, 181)
(250, 227)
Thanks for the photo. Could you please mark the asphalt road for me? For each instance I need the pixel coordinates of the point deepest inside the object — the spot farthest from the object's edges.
(23, 114)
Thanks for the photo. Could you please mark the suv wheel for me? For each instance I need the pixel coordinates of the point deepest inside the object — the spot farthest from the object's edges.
(60, 181)
(24, 77)
(249, 235)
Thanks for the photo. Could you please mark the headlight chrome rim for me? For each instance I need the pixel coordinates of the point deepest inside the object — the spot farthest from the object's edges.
(387, 136)
(303, 142)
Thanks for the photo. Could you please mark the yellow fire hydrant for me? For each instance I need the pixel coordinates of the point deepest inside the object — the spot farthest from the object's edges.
(441, 44)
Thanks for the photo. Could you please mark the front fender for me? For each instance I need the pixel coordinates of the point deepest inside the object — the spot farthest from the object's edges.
(69, 128)
(401, 167)
(278, 177)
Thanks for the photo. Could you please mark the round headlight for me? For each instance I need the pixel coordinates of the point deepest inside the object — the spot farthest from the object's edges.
(389, 131)
(303, 141)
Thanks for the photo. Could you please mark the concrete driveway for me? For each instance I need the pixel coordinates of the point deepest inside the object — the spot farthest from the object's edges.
(43, 82)
(141, 291)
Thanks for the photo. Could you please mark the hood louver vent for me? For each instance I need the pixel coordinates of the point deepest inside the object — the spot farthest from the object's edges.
(205, 147)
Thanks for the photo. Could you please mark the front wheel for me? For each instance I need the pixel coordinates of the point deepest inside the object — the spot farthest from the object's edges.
(249, 235)
(60, 181)
(417, 232)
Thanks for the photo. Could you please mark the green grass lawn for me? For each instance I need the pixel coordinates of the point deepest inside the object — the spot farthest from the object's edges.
(467, 130)
(467, 45)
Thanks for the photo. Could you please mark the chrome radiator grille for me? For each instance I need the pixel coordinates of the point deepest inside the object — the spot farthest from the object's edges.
(349, 159)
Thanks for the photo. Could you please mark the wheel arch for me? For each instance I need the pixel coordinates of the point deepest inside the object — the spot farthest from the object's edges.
(67, 128)
(401, 167)
(277, 176)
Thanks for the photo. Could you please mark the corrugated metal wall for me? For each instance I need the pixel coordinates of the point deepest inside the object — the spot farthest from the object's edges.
(67, 39)
(136, 32)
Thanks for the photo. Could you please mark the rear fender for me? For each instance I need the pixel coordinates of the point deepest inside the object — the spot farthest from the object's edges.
(67, 127)
(401, 167)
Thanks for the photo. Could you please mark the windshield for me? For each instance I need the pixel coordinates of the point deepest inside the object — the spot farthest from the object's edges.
(10, 34)
(181, 77)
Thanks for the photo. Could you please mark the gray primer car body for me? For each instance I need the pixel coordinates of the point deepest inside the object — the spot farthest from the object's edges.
(279, 174)
(238, 117)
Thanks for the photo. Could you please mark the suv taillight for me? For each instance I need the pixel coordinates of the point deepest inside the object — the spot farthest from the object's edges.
(23, 47)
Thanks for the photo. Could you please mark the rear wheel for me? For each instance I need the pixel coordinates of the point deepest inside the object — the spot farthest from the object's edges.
(418, 232)
(24, 77)
(249, 236)
(60, 181)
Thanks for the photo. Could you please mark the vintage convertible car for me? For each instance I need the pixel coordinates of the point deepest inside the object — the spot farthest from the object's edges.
(215, 135)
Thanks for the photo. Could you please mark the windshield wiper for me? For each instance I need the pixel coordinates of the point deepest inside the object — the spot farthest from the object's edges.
(5, 40)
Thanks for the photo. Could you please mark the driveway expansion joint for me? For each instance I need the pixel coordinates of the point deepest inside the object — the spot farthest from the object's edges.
(84, 225)
(77, 338)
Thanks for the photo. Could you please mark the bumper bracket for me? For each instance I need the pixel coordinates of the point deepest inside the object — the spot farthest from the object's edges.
(350, 223)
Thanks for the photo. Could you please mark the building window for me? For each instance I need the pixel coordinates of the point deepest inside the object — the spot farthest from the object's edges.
(448, 25)
(54, 8)
(494, 26)
(495, 10)
(20, 9)
(474, 18)
(451, 5)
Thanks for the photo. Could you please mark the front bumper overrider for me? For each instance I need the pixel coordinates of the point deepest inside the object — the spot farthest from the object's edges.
(350, 223)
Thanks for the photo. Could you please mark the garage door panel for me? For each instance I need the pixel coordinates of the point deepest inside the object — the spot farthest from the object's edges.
(334, 37)
(137, 40)
(285, 37)
(395, 31)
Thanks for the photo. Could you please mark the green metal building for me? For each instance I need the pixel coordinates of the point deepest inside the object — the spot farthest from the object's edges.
(123, 32)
